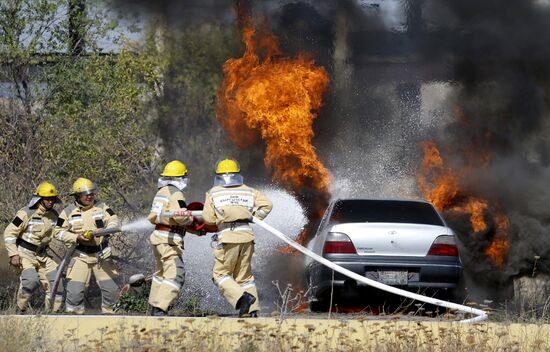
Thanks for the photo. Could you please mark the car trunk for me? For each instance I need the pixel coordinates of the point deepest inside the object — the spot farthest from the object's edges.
(391, 239)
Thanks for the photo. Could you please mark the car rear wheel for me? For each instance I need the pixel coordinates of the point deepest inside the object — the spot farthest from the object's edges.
(320, 304)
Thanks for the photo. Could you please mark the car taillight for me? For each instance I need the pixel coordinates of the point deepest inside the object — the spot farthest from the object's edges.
(444, 245)
(337, 242)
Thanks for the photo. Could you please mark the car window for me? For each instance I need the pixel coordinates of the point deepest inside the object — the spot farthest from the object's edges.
(362, 210)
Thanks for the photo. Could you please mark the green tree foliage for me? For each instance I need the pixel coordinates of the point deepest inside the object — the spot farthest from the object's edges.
(65, 116)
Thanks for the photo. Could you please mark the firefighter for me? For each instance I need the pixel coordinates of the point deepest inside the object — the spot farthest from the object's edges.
(27, 238)
(231, 205)
(91, 254)
(169, 214)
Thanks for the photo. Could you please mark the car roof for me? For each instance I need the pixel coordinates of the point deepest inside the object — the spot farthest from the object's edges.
(383, 199)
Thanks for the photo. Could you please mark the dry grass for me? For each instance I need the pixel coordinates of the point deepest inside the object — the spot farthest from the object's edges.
(20, 335)
(216, 334)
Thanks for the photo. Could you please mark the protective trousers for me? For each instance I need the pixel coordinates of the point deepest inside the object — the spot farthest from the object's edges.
(232, 272)
(79, 272)
(36, 271)
(169, 278)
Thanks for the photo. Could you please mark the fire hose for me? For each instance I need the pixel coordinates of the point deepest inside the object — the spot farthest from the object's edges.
(481, 315)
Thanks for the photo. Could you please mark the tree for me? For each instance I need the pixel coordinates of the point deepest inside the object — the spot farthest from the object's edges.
(71, 116)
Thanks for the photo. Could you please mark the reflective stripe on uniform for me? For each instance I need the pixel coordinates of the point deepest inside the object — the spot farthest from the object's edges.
(169, 235)
(248, 285)
(84, 254)
(10, 240)
(27, 237)
(222, 279)
(72, 222)
(232, 191)
(158, 204)
(61, 235)
(25, 250)
(172, 283)
(36, 222)
(244, 198)
(157, 280)
(237, 228)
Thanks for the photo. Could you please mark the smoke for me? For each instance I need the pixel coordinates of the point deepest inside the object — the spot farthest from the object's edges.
(470, 75)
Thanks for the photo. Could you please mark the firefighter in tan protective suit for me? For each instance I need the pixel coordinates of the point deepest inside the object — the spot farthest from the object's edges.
(230, 204)
(169, 214)
(75, 227)
(27, 238)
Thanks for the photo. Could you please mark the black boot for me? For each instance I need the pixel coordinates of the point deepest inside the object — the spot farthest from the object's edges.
(157, 312)
(244, 303)
(254, 314)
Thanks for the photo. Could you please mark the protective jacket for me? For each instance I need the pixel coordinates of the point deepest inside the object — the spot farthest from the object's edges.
(76, 219)
(232, 208)
(171, 230)
(30, 226)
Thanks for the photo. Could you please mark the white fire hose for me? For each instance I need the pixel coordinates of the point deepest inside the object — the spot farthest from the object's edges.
(481, 315)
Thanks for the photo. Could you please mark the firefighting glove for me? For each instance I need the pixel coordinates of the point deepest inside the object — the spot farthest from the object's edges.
(105, 253)
(89, 234)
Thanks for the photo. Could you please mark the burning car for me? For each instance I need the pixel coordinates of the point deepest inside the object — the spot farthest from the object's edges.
(401, 243)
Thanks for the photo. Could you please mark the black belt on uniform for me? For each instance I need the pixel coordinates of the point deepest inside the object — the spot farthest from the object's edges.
(92, 249)
(31, 247)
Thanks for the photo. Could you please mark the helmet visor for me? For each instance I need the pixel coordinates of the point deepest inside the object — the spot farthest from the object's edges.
(86, 190)
(178, 182)
(228, 180)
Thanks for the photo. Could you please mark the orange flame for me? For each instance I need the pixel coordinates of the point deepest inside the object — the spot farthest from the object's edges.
(440, 185)
(499, 247)
(278, 97)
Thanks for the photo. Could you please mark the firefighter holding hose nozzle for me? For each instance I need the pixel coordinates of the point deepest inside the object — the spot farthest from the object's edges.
(170, 216)
(27, 238)
(231, 204)
(88, 254)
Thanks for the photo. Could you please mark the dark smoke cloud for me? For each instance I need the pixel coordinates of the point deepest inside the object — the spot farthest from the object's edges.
(500, 66)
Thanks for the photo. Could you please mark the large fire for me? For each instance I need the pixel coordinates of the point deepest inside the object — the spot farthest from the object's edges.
(279, 97)
(441, 185)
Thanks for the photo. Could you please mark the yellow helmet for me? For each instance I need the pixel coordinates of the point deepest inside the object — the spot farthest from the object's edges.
(46, 189)
(83, 186)
(227, 166)
(175, 168)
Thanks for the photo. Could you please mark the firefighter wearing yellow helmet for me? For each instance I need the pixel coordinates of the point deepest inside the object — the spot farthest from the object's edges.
(231, 204)
(27, 238)
(169, 214)
(91, 254)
